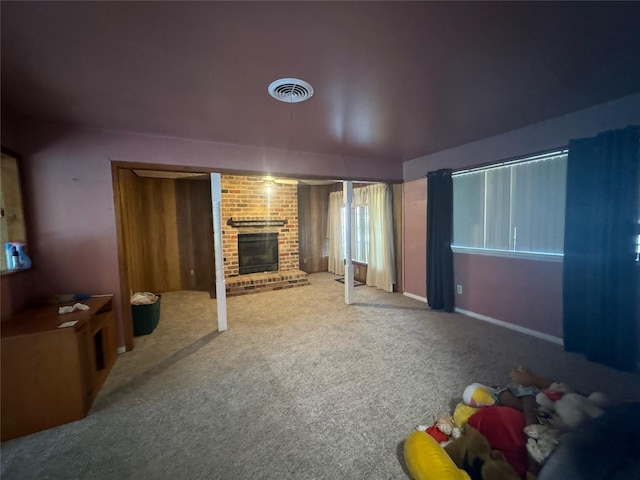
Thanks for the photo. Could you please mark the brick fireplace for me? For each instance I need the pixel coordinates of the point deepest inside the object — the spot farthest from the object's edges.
(247, 208)
(257, 252)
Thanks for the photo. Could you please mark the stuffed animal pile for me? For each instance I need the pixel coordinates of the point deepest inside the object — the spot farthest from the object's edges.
(469, 457)
(571, 408)
(484, 440)
(559, 410)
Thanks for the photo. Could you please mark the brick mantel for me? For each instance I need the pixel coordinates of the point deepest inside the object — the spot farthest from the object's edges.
(236, 222)
(245, 199)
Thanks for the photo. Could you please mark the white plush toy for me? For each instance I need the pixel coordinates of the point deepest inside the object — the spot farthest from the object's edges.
(571, 407)
(541, 441)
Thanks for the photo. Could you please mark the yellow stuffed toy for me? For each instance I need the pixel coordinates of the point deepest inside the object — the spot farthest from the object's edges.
(478, 395)
(427, 460)
(462, 412)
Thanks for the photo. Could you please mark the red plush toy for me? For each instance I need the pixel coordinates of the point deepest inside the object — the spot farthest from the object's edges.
(437, 434)
(442, 430)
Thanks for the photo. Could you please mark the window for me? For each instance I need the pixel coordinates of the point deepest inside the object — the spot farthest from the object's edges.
(360, 233)
(512, 207)
(360, 227)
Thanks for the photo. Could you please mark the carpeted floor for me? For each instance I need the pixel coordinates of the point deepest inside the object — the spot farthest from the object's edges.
(356, 283)
(301, 386)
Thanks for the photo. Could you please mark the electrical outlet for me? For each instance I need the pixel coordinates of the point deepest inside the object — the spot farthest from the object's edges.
(459, 289)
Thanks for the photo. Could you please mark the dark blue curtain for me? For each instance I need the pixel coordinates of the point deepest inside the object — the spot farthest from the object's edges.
(601, 277)
(440, 294)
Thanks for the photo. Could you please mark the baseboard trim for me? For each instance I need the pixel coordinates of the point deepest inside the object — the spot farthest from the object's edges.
(500, 323)
(122, 349)
(511, 326)
(415, 297)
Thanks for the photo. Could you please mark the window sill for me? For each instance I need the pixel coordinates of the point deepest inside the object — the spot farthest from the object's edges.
(543, 257)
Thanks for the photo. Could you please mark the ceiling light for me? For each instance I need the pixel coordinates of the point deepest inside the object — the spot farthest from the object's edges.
(290, 90)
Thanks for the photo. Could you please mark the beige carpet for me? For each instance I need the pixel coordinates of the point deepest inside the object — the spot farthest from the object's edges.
(301, 386)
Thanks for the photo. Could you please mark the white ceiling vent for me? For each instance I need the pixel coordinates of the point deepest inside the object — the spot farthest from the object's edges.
(290, 90)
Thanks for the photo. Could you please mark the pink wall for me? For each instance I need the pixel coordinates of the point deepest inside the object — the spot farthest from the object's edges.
(71, 220)
(526, 293)
(16, 289)
(414, 235)
(523, 292)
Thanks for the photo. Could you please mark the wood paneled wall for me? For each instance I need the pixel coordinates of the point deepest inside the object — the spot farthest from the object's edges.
(313, 206)
(168, 233)
(151, 232)
(130, 208)
(195, 234)
(160, 235)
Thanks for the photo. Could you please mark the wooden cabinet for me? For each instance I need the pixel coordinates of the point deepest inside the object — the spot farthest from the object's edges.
(51, 374)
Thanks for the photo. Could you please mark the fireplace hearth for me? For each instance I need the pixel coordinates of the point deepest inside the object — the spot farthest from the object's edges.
(257, 252)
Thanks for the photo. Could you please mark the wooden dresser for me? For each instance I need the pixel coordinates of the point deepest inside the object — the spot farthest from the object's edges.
(50, 374)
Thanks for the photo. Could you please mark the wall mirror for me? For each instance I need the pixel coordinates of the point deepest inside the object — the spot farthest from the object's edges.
(12, 223)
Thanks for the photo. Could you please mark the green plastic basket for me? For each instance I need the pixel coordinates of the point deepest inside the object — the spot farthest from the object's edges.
(145, 317)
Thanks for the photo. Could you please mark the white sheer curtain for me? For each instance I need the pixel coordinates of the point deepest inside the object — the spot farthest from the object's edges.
(360, 196)
(381, 270)
(334, 233)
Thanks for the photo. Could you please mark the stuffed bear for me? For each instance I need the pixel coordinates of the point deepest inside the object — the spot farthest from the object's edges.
(472, 453)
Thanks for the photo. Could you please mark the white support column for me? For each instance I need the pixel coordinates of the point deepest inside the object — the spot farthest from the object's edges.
(221, 290)
(347, 194)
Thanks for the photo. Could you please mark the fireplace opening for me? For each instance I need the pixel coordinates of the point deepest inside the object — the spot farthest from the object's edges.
(257, 252)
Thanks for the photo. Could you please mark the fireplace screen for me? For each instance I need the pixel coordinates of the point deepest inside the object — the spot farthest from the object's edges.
(257, 252)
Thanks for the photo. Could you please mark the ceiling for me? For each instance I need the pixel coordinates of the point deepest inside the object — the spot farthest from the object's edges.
(393, 81)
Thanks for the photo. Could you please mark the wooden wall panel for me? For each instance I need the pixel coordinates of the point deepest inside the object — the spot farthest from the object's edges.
(313, 205)
(304, 237)
(150, 232)
(159, 234)
(195, 234)
(397, 234)
(130, 210)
